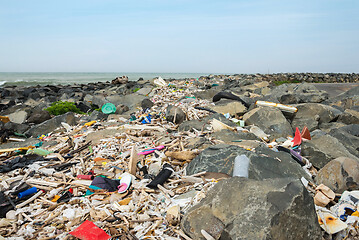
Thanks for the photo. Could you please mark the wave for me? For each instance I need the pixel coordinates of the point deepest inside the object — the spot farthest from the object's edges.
(2, 83)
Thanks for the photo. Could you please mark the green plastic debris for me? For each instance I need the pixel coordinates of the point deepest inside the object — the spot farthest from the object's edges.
(108, 108)
(38, 151)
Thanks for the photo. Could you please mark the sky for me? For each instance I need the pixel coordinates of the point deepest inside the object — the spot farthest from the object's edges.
(204, 36)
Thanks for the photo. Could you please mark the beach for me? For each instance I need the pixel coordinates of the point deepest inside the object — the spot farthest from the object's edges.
(219, 156)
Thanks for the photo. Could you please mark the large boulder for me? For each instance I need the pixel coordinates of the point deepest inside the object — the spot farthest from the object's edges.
(270, 120)
(340, 174)
(229, 106)
(313, 114)
(51, 124)
(298, 93)
(349, 117)
(38, 117)
(18, 116)
(264, 163)
(324, 148)
(230, 136)
(349, 137)
(239, 208)
(130, 100)
(175, 114)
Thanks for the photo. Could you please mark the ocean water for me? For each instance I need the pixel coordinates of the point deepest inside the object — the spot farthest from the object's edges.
(64, 78)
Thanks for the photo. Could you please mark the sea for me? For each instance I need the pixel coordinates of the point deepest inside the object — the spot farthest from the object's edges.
(64, 78)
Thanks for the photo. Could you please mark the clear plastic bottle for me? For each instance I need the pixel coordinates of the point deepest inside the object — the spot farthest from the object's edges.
(241, 166)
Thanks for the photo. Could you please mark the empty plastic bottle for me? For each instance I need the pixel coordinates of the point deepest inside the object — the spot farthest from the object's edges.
(241, 165)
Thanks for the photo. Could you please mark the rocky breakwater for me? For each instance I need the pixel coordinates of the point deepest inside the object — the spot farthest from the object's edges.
(180, 159)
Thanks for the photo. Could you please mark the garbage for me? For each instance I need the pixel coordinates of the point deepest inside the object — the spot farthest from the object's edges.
(4, 119)
(161, 178)
(218, 126)
(27, 192)
(297, 140)
(323, 195)
(306, 134)
(241, 165)
(108, 108)
(89, 231)
(125, 183)
(160, 82)
(285, 108)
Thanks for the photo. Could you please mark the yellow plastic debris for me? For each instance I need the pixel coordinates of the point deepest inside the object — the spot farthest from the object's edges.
(4, 119)
(90, 123)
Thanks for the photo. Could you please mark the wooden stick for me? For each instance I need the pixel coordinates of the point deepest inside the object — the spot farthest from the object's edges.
(132, 165)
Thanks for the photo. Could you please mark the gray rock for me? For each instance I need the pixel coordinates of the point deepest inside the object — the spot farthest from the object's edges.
(130, 100)
(349, 137)
(340, 174)
(322, 149)
(189, 125)
(146, 103)
(313, 114)
(349, 117)
(144, 91)
(16, 127)
(238, 208)
(229, 106)
(38, 117)
(18, 116)
(121, 109)
(207, 94)
(263, 163)
(96, 115)
(26, 143)
(175, 114)
(51, 124)
(229, 136)
(270, 120)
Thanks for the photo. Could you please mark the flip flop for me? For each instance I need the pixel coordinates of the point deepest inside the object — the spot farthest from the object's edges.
(125, 183)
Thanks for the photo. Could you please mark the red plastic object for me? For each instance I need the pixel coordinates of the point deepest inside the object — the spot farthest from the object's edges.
(89, 231)
(297, 140)
(306, 134)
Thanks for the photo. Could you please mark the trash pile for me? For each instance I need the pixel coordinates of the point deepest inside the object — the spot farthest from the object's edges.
(128, 177)
(131, 185)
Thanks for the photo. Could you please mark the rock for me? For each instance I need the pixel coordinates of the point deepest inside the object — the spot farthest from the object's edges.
(207, 94)
(349, 117)
(18, 117)
(313, 114)
(51, 124)
(324, 148)
(130, 100)
(175, 114)
(189, 125)
(38, 117)
(220, 158)
(229, 136)
(97, 115)
(144, 91)
(84, 107)
(229, 106)
(349, 137)
(340, 174)
(298, 93)
(26, 143)
(120, 80)
(146, 103)
(121, 109)
(16, 127)
(270, 120)
(239, 208)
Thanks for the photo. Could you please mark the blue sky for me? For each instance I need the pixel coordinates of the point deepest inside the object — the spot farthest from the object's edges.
(243, 36)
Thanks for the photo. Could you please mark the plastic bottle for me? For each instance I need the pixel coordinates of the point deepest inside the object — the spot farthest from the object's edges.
(27, 192)
(241, 165)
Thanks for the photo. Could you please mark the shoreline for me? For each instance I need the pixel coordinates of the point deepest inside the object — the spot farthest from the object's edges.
(192, 130)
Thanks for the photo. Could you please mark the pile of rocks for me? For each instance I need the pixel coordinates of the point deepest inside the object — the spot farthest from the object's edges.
(200, 123)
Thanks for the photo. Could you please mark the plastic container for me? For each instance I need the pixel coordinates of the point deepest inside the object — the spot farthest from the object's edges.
(27, 192)
(38, 151)
(108, 108)
(241, 165)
